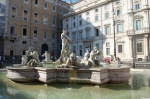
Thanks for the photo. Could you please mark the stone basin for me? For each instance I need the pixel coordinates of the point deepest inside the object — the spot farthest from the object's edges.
(97, 76)
(21, 74)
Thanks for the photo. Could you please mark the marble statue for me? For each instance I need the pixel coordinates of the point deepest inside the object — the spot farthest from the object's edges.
(72, 62)
(24, 59)
(65, 52)
(47, 57)
(84, 60)
(35, 57)
(92, 61)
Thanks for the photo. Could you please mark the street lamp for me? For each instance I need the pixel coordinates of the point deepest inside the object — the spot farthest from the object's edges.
(114, 31)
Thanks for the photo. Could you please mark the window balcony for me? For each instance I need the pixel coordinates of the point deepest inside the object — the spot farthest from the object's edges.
(88, 39)
(130, 11)
(10, 36)
(139, 31)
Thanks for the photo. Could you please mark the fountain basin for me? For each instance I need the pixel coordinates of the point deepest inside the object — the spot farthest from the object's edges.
(18, 74)
(96, 76)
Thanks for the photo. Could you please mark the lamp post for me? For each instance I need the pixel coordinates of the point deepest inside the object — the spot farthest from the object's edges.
(114, 31)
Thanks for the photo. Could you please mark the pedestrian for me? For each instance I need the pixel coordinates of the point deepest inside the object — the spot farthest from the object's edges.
(0, 58)
(13, 59)
(4, 58)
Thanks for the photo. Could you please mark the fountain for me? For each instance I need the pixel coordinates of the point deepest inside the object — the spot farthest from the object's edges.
(69, 68)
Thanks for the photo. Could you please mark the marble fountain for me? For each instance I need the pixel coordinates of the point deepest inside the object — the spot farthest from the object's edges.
(69, 68)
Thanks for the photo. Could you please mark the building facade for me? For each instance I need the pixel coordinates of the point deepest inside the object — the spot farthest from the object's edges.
(36, 23)
(120, 27)
(2, 25)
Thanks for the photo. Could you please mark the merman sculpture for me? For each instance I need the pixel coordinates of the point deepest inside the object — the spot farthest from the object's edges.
(47, 58)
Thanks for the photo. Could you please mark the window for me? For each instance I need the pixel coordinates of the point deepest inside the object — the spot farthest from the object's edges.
(25, 12)
(96, 10)
(11, 53)
(24, 32)
(74, 49)
(74, 24)
(96, 32)
(108, 48)
(137, 7)
(119, 28)
(118, 12)
(53, 35)
(45, 34)
(23, 52)
(80, 16)
(35, 14)
(45, 19)
(12, 30)
(74, 36)
(96, 18)
(14, 9)
(97, 45)
(107, 44)
(61, 10)
(61, 23)
(54, 21)
(107, 51)
(53, 44)
(36, 2)
(13, 12)
(139, 47)
(24, 42)
(67, 26)
(120, 49)
(74, 17)
(35, 34)
(80, 36)
(80, 22)
(25, 1)
(138, 24)
(54, 8)
(107, 30)
(106, 15)
(45, 5)
(35, 17)
(80, 47)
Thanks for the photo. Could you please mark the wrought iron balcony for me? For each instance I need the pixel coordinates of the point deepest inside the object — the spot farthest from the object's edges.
(139, 31)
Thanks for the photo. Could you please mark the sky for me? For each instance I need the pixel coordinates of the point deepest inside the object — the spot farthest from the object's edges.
(69, 0)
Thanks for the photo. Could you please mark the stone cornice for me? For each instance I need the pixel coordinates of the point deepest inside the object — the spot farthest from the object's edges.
(79, 10)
